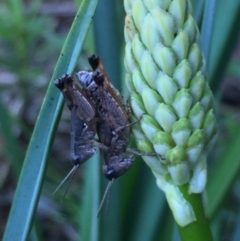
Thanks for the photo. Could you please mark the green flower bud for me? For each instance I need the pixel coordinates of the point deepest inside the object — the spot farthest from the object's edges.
(149, 126)
(207, 99)
(165, 76)
(197, 86)
(137, 102)
(149, 36)
(149, 68)
(129, 83)
(162, 142)
(164, 24)
(182, 74)
(138, 47)
(165, 115)
(145, 145)
(180, 173)
(166, 87)
(151, 99)
(199, 177)
(195, 58)
(180, 45)
(138, 13)
(176, 155)
(209, 124)
(156, 166)
(180, 206)
(191, 29)
(196, 115)
(181, 131)
(129, 61)
(138, 81)
(130, 30)
(182, 103)
(137, 132)
(193, 154)
(196, 138)
(164, 58)
(181, 209)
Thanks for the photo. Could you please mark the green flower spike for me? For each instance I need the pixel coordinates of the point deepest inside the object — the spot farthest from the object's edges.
(165, 77)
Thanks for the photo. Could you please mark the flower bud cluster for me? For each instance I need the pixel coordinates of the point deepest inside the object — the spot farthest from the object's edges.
(166, 81)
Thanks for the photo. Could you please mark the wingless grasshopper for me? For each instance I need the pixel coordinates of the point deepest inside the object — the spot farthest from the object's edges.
(83, 128)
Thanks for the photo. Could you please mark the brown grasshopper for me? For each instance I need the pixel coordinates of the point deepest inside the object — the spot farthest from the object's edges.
(83, 128)
(113, 128)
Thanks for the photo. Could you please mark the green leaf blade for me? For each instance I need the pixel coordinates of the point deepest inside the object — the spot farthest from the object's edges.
(30, 182)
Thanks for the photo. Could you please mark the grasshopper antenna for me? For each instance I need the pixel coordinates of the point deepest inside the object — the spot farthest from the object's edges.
(70, 174)
(70, 181)
(108, 199)
(104, 196)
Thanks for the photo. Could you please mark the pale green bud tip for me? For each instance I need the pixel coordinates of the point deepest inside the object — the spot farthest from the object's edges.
(181, 209)
(199, 177)
(165, 76)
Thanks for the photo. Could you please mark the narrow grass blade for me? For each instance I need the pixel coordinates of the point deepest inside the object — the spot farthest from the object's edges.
(11, 147)
(198, 6)
(150, 208)
(29, 186)
(207, 27)
(108, 45)
(225, 36)
(89, 222)
(224, 173)
(237, 229)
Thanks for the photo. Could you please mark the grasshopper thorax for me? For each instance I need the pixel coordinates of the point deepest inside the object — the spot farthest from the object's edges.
(85, 78)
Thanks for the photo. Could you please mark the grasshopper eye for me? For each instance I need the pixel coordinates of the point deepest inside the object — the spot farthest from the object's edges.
(59, 83)
(75, 159)
(109, 174)
(98, 77)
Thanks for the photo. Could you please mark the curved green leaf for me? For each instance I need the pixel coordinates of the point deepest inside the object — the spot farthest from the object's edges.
(223, 174)
(207, 27)
(225, 36)
(88, 215)
(11, 147)
(29, 186)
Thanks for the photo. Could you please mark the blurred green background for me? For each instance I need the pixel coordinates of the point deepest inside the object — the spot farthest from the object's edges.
(32, 34)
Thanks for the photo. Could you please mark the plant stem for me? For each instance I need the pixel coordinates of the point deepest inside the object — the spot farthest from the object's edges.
(200, 229)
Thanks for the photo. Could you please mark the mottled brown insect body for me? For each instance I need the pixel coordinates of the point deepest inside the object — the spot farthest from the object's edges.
(116, 161)
(83, 128)
(111, 99)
